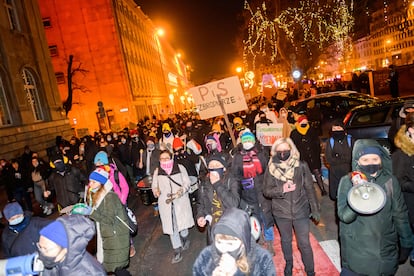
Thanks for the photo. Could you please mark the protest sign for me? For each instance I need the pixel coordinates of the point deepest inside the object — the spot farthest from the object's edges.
(267, 134)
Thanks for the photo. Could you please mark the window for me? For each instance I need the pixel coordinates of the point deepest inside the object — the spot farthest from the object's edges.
(5, 118)
(60, 77)
(53, 50)
(12, 15)
(32, 94)
(46, 22)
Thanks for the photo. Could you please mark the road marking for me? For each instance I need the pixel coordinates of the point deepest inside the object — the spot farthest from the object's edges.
(331, 248)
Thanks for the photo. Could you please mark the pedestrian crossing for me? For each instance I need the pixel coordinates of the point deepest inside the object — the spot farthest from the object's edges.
(326, 257)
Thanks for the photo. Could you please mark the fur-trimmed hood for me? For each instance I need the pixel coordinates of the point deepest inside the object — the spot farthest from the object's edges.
(403, 142)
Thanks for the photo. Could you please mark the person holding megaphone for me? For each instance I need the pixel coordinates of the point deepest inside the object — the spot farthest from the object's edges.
(372, 241)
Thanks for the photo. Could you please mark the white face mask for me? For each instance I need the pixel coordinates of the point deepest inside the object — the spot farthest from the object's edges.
(225, 246)
(248, 145)
(16, 220)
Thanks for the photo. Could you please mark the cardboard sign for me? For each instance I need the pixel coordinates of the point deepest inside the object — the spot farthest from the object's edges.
(267, 134)
(206, 97)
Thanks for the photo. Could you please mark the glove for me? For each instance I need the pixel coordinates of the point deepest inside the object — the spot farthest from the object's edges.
(404, 253)
(179, 193)
(316, 217)
(81, 209)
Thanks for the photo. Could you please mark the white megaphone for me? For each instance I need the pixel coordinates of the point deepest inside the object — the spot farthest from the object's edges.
(367, 198)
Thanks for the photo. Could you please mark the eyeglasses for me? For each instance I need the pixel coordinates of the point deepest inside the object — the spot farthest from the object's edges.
(165, 159)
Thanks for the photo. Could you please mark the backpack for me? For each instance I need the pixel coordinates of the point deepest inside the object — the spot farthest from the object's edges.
(348, 138)
(132, 223)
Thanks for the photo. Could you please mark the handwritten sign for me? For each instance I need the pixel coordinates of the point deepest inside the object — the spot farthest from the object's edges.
(230, 92)
(267, 134)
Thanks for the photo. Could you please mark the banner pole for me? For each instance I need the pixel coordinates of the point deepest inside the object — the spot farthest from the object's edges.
(226, 119)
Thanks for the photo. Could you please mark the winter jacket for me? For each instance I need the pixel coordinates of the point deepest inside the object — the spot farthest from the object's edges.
(182, 206)
(369, 243)
(296, 204)
(67, 186)
(227, 190)
(403, 168)
(21, 239)
(78, 261)
(309, 147)
(120, 187)
(112, 234)
(253, 199)
(259, 260)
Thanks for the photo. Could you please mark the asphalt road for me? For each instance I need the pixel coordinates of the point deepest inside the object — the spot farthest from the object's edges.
(154, 250)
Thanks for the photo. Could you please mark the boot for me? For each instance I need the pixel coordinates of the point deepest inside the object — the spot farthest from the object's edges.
(288, 268)
(308, 273)
(185, 242)
(319, 181)
(177, 256)
(270, 247)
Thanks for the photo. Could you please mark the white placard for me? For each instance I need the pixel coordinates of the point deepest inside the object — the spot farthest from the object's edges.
(230, 92)
(267, 134)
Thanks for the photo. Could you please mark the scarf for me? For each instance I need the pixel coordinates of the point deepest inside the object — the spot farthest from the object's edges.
(302, 130)
(216, 208)
(284, 171)
(251, 164)
(167, 166)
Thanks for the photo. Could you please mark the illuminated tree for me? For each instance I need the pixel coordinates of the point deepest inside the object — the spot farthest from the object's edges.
(297, 32)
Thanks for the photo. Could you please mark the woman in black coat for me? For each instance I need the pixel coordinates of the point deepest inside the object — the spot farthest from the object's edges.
(288, 182)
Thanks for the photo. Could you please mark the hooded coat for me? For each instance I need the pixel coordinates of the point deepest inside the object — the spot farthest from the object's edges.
(182, 205)
(369, 243)
(80, 230)
(404, 154)
(260, 261)
(112, 235)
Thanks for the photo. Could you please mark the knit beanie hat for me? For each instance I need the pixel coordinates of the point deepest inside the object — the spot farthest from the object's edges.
(247, 136)
(369, 150)
(217, 157)
(12, 209)
(55, 232)
(101, 158)
(302, 118)
(177, 143)
(166, 127)
(99, 175)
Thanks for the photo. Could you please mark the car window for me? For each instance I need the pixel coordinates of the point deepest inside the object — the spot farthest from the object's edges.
(370, 116)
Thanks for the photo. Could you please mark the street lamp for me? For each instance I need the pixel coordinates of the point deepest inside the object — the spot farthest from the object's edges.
(159, 33)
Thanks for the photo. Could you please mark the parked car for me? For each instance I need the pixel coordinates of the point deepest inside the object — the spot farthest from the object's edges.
(373, 120)
(329, 106)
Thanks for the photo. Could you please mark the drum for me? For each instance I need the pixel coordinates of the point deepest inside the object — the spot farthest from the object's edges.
(145, 191)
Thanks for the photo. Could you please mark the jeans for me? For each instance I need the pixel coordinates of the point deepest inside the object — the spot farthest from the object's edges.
(176, 235)
(301, 228)
(38, 194)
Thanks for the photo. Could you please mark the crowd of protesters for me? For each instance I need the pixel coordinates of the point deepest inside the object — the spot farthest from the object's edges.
(197, 172)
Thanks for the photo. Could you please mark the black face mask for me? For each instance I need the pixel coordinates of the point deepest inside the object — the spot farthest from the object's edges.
(370, 169)
(220, 171)
(283, 155)
(338, 135)
(48, 262)
(303, 125)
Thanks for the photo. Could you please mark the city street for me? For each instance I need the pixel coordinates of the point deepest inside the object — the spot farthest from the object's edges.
(154, 250)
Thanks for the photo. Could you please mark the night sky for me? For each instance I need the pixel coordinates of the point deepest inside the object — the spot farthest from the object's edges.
(204, 30)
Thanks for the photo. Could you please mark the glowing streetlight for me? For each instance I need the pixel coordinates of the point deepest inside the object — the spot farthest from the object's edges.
(239, 69)
(160, 32)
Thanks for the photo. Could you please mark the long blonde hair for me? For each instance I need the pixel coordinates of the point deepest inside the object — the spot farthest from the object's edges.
(92, 198)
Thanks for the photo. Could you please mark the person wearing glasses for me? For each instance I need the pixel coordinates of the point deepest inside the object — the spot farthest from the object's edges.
(62, 247)
(170, 184)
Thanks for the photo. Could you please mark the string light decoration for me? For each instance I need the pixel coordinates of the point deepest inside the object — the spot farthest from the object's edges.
(310, 24)
(261, 35)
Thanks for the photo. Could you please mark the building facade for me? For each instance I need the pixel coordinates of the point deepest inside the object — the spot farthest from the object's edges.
(30, 106)
(121, 59)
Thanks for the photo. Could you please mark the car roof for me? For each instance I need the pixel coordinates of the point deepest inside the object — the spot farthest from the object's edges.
(382, 102)
(345, 93)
